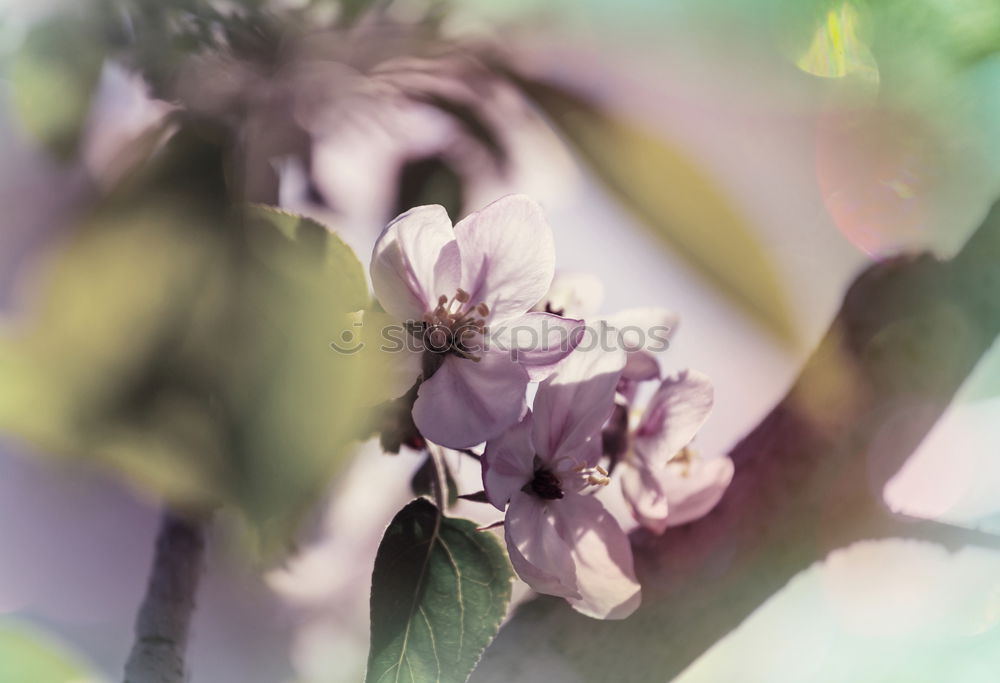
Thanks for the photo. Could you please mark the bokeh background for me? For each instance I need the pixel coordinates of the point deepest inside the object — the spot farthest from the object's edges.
(823, 134)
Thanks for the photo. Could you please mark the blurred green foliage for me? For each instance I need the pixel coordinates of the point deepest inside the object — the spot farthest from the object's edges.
(28, 656)
(185, 342)
(51, 80)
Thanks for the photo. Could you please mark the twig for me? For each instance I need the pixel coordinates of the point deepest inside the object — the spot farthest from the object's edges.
(164, 618)
(948, 536)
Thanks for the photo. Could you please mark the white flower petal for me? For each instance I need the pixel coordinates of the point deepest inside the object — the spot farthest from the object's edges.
(467, 402)
(674, 415)
(539, 341)
(577, 295)
(641, 366)
(508, 462)
(602, 558)
(648, 329)
(573, 404)
(415, 260)
(645, 496)
(541, 556)
(694, 489)
(508, 256)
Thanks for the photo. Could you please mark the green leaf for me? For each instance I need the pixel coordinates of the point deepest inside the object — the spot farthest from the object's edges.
(674, 198)
(27, 655)
(339, 266)
(52, 77)
(439, 592)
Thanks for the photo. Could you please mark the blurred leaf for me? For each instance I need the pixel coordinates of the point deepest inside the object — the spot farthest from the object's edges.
(340, 268)
(28, 656)
(51, 80)
(92, 371)
(422, 483)
(959, 31)
(297, 401)
(429, 181)
(439, 592)
(675, 198)
(187, 346)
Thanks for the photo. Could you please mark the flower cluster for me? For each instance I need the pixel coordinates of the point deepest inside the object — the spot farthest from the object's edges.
(542, 466)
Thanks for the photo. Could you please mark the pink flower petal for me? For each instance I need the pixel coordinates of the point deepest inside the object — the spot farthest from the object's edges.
(415, 260)
(508, 462)
(541, 556)
(573, 404)
(648, 329)
(695, 491)
(539, 341)
(602, 558)
(508, 256)
(467, 402)
(576, 295)
(644, 494)
(677, 493)
(674, 415)
(641, 366)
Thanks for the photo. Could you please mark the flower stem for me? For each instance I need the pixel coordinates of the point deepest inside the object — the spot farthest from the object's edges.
(440, 476)
(164, 618)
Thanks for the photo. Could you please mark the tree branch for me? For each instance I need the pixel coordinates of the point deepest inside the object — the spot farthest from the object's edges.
(948, 536)
(808, 479)
(163, 621)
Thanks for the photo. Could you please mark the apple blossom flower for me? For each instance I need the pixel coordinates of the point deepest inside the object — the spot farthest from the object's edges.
(561, 540)
(663, 481)
(641, 331)
(464, 294)
(578, 295)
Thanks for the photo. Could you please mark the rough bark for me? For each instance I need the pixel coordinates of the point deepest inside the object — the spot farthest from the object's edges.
(808, 479)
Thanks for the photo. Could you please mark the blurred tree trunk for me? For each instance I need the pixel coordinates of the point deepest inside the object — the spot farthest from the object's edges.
(808, 479)
(164, 619)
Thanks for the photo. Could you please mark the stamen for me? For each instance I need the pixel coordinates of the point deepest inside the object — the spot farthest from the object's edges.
(594, 476)
(452, 327)
(685, 457)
